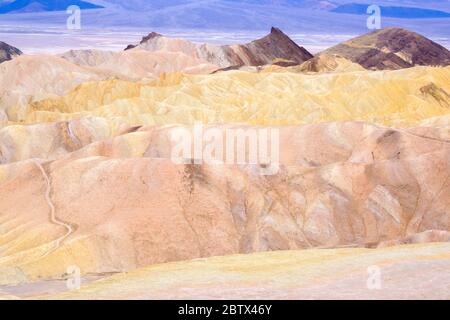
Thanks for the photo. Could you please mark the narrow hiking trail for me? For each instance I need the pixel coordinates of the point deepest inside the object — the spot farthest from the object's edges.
(52, 217)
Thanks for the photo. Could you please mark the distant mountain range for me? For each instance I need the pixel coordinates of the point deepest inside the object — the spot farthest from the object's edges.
(386, 49)
(398, 11)
(235, 17)
(25, 6)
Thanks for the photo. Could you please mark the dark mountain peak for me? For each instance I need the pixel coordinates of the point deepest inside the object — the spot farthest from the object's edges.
(8, 52)
(275, 30)
(279, 45)
(392, 48)
(276, 33)
(150, 36)
(130, 46)
(275, 46)
(147, 38)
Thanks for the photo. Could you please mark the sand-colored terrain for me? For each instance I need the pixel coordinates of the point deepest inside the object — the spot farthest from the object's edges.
(122, 203)
(404, 272)
(88, 176)
(395, 98)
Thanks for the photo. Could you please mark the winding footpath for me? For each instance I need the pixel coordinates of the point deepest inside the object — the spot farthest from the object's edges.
(53, 219)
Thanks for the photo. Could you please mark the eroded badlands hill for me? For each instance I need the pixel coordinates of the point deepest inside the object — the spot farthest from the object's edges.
(328, 63)
(87, 176)
(121, 204)
(31, 79)
(90, 58)
(392, 48)
(399, 98)
(27, 79)
(276, 45)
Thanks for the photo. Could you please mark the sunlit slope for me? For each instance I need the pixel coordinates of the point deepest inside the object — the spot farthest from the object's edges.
(120, 204)
(27, 79)
(401, 97)
(307, 274)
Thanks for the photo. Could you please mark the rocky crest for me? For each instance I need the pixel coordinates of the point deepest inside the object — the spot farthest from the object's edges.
(392, 48)
(8, 52)
(328, 63)
(275, 45)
